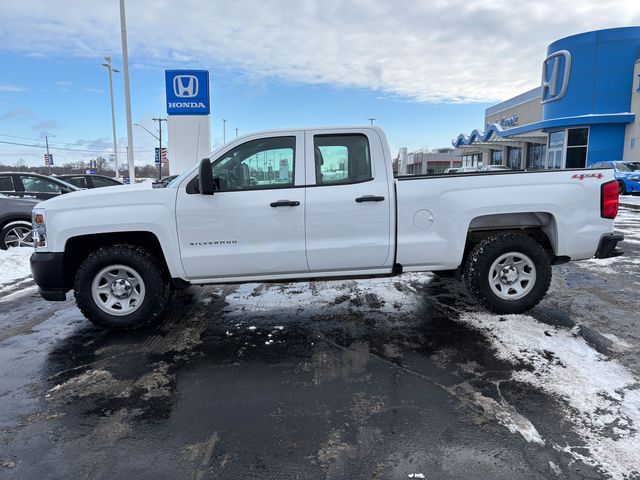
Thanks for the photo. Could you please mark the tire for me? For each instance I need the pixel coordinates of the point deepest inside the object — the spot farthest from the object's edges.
(520, 272)
(623, 188)
(16, 234)
(123, 275)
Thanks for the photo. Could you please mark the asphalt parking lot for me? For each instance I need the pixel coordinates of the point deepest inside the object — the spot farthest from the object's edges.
(393, 378)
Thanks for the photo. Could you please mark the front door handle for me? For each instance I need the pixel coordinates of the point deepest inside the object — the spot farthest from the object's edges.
(370, 198)
(285, 203)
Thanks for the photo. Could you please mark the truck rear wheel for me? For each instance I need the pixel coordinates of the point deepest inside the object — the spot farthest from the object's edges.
(508, 273)
(120, 287)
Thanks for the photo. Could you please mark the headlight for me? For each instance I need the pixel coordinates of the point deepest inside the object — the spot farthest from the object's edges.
(39, 228)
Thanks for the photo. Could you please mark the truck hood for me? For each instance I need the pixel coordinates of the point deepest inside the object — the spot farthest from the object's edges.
(103, 197)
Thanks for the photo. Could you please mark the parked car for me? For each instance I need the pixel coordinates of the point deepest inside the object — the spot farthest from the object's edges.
(15, 222)
(123, 250)
(451, 170)
(89, 180)
(164, 181)
(468, 169)
(494, 168)
(33, 185)
(626, 172)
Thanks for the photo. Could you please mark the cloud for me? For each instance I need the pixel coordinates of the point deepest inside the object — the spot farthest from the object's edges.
(7, 87)
(453, 51)
(46, 125)
(17, 114)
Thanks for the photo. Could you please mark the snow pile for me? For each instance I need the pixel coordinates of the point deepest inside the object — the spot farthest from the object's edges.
(14, 265)
(373, 296)
(630, 200)
(602, 397)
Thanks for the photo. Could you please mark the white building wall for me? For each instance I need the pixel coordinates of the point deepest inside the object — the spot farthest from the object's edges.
(632, 132)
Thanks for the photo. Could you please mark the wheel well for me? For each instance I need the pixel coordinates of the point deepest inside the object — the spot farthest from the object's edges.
(7, 221)
(78, 248)
(540, 226)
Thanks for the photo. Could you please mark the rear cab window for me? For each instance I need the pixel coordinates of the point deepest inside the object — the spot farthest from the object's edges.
(342, 159)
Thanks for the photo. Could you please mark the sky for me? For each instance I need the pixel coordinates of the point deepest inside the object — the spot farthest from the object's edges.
(426, 70)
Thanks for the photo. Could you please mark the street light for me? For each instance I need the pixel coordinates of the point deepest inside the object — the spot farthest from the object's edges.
(111, 69)
(159, 138)
(127, 93)
(224, 130)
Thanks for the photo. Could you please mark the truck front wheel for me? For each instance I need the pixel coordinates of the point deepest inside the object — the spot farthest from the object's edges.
(508, 273)
(120, 287)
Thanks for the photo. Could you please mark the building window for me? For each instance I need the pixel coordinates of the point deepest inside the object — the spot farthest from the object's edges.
(496, 157)
(577, 141)
(514, 158)
(536, 156)
(556, 149)
(472, 160)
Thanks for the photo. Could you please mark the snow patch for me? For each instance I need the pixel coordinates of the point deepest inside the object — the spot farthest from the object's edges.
(14, 265)
(602, 397)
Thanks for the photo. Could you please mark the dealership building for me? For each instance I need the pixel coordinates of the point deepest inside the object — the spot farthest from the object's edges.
(586, 110)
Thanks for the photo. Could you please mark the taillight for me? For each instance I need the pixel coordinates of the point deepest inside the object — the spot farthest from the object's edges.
(609, 199)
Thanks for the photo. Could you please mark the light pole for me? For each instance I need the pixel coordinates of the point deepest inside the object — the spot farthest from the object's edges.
(127, 93)
(111, 69)
(224, 130)
(371, 120)
(236, 132)
(160, 120)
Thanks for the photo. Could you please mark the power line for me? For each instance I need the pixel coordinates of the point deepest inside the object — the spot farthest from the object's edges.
(66, 149)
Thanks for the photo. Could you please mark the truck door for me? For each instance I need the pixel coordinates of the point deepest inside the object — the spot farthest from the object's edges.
(348, 201)
(254, 223)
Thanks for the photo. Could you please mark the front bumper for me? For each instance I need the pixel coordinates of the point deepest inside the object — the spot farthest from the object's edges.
(48, 273)
(607, 246)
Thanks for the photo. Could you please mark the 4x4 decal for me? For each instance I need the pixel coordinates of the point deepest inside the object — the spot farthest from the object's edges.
(582, 176)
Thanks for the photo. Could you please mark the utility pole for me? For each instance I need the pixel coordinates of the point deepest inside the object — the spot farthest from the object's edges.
(236, 132)
(371, 120)
(127, 94)
(224, 130)
(160, 120)
(46, 141)
(107, 64)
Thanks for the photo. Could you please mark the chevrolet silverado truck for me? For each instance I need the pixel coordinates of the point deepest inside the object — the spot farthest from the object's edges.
(308, 204)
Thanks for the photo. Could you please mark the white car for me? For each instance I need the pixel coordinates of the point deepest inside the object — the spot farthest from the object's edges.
(494, 168)
(304, 204)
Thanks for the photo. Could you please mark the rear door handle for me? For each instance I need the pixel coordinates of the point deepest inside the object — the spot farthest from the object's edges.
(285, 203)
(370, 198)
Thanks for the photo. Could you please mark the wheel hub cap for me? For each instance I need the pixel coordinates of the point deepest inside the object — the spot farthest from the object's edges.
(509, 275)
(512, 275)
(121, 288)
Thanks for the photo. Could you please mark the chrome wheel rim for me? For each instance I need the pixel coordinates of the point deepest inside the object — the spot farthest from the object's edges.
(512, 276)
(118, 290)
(19, 236)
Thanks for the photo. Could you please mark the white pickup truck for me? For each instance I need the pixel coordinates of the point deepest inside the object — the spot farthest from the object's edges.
(317, 204)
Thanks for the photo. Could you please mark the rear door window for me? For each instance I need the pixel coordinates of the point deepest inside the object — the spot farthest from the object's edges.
(341, 159)
(6, 184)
(103, 182)
(80, 182)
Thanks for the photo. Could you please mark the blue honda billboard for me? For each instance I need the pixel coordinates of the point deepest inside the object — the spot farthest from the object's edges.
(187, 92)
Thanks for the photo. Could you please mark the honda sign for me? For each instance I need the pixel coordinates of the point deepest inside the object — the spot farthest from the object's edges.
(187, 92)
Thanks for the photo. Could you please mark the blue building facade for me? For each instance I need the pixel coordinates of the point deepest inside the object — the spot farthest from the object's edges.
(590, 103)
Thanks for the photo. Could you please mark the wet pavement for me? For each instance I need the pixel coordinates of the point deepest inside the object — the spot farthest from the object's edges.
(392, 378)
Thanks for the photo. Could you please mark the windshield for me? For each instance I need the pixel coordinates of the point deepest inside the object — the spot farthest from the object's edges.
(629, 166)
(624, 167)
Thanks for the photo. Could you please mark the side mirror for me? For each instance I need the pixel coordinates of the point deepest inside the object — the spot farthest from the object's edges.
(205, 178)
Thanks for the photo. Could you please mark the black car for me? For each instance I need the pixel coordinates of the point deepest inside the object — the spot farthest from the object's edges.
(15, 222)
(33, 185)
(82, 180)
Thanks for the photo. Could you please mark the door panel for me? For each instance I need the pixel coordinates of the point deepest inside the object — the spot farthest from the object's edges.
(254, 223)
(348, 224)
